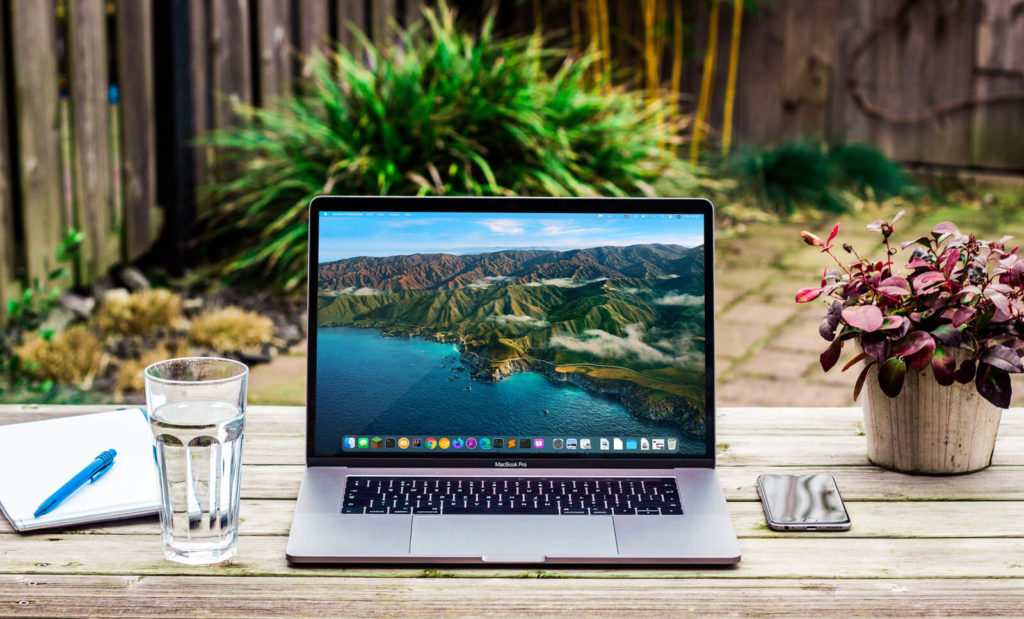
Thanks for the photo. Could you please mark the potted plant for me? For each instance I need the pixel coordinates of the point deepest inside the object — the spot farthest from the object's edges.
(938, 340)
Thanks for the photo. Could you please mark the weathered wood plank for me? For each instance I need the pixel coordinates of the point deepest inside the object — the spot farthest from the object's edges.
(999, 59)
(414, 11)
(170, 595)
(92, 173)
(200, 47)
(275, 61)
(37, 112)
(138, 131)
(351, 14)
(805, 67)
(8, 276)
(871, 519)
(314, 30)
(793, 556)
(231, 74)
(382, 13)
(229, 596)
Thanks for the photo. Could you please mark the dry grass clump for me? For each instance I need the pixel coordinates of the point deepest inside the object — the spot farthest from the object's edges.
(129, 378)
(139, 313)
(69, 358)
(231, 329)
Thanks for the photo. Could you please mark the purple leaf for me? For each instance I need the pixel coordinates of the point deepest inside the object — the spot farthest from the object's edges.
(928, 279)
(831, 355)
(943, 366)
(892, 322)
(1004, 358)
(891, 375)
(947, 335)
(874, 347)
(897, 281)
(876, 225)
(867, 318)
(994, 385)
(965, 373)
(923, 241)
(806, 295)
(860, 379)
(893, 291)
(826, 330)
(919, 263)
(835, 231)
(852, 362)
(944, 228)
(916, 348)
(897, 217)
(963, 315)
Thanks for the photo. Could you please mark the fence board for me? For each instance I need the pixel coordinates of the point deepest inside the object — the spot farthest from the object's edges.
(199, 18)
(36, 108)
(7, 259)
(381, 14)
(314, 26)
(275, 62)
(414, 11)
(138, 132)
(999, 59)
(231, 75)
(92, 175)
(351, 13)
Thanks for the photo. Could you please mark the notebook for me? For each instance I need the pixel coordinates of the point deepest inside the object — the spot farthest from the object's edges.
(38, 457)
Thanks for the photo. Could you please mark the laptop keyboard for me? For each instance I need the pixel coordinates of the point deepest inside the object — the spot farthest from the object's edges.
(634, 496)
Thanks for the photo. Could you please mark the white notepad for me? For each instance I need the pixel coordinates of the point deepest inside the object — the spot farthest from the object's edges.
(38, 457)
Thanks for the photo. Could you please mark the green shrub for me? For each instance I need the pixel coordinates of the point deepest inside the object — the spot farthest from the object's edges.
(442, 112)
(139, 313)
(801, 174)
(70, 357)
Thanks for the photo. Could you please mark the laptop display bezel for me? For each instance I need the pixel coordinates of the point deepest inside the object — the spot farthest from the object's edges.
(518, 205)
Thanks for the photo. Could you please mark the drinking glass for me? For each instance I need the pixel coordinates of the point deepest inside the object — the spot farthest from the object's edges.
(197, 414)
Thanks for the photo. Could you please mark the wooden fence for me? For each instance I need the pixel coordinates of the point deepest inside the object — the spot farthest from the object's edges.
(72, 156)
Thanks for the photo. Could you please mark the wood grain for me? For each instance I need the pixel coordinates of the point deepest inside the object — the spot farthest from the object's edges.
(231, 74)
(351, 14)
(229, 596)
(8, 277)
(92, 167)
(138, 127)
(34, 45)
(275, 49)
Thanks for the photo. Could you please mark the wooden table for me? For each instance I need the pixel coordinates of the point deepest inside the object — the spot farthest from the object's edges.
(919, 545)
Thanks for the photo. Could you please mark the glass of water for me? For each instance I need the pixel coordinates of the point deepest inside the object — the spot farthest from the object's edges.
(197, 413)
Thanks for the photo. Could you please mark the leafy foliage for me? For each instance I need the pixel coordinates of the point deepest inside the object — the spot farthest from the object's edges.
(805, 174)
(27, 312)
(443, 112)
(956, 293)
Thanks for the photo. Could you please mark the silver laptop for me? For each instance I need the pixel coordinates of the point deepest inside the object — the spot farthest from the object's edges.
(510, 380)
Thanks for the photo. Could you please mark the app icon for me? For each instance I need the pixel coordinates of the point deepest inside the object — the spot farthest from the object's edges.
(630, 443)
(538, 443)
(376, 442)
(389, 443)
(605, 445)
(350, 442)
(499, 443)
(570, 443)
(645, 444)
(485, 443)
(431, 443)
(511, 443)
(584, 443)
(524, 443)
(470, 443)
(617, 442)
(658, 444)
(417, 443)
(444, 443)
(558, 443)
(456, 443)
(363, 442)
(403, 443)
(672, 444)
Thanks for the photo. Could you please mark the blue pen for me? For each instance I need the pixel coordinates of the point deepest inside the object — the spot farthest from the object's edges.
(96, 469)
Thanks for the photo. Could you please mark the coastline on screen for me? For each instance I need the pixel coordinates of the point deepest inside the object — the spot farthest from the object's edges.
(554, 333)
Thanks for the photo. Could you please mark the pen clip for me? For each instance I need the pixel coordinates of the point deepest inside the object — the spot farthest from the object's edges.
(99, 472)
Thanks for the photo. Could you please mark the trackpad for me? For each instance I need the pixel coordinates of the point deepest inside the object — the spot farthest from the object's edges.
(513, 538)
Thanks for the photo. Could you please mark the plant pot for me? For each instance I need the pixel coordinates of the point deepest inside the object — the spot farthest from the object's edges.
(928, 428)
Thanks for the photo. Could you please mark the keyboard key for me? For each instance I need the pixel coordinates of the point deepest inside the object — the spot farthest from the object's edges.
(574, 511)
(352, 510)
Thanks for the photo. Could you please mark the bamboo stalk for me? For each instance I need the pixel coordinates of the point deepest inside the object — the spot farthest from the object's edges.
(649, 9)
(538, 19)
(606, 42)
(576, 27)
(705, 82)
(594, 27)
(730, 85)
(677, 55)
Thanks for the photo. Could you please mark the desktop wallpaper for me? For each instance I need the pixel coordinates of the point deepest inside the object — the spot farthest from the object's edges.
(473, 330)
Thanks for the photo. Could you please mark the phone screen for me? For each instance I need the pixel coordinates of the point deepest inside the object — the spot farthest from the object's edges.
(802, 499)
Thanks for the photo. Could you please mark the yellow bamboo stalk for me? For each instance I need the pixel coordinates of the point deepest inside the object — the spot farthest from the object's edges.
(649, 10)
(594, 26)
(576, 26)
(606, 42)
(677, 50)
(538, 19)
(730, 84)
(705, 83)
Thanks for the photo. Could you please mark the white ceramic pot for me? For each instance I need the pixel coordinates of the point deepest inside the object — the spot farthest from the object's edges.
(928, 428)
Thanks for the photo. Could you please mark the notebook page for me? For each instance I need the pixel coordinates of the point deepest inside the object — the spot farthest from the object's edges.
(38, 457)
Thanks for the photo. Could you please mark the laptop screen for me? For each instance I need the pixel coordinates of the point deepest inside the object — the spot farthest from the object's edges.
(454, 334)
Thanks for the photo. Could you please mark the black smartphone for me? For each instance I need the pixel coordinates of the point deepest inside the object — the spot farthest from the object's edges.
(802, 503)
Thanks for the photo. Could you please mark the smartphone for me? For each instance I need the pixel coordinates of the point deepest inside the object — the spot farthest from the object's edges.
(802, 503)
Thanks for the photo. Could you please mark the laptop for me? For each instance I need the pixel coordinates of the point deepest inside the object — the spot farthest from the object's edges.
(510, 381)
